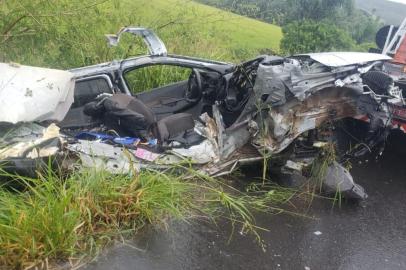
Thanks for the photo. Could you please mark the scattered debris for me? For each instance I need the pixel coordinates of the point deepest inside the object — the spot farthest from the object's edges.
(338, 179)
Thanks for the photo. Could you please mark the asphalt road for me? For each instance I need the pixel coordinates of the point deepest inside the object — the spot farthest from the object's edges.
(371, 235)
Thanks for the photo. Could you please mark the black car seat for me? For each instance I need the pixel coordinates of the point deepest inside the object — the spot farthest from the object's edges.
(131, 117)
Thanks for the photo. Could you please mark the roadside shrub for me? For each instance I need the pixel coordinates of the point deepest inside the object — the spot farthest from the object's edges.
(311, 36)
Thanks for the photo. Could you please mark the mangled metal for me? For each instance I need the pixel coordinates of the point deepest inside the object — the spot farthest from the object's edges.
(153, 42)
(30, 141)
(340, 59)
(267, 107)
(338, 180)
(30, 94)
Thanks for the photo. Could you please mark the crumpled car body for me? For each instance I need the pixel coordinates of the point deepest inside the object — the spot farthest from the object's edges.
(217, 118)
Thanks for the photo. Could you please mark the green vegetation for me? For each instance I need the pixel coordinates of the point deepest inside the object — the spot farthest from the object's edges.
(56, 218)
(66, 34)
(147, 78)
(318, 172)
(339, 15)
(311, 36)
(284, 12)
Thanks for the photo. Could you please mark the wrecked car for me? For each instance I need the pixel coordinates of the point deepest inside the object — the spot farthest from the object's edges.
(211, 115)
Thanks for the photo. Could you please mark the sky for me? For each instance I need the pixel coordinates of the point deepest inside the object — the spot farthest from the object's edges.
(399, 1)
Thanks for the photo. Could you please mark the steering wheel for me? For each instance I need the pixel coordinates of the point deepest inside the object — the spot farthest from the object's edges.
(194, 87)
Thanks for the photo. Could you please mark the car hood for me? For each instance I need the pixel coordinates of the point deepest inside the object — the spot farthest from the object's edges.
(30, 94)
(338, 59)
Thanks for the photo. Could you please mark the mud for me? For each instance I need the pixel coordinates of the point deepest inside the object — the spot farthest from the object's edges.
(370, 235)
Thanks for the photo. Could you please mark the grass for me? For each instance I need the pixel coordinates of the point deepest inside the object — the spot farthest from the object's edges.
(325, 158)
(70, 33)
(318, 171)
(147, 78)
(59, 219)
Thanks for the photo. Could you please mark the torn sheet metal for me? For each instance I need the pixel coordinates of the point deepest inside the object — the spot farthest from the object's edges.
(210, 131)
(94, 154)
(283, 124)
(30, 94)
(339, 59)
(30, 141)
(153, 42)
(202, 153)
(274, 82)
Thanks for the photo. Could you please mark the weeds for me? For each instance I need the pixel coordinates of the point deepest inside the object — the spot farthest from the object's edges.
(319, 168)
(57, 218)
(72, 218)
(325, 158)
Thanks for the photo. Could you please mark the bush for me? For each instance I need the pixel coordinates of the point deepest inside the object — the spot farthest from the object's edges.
(310, 36)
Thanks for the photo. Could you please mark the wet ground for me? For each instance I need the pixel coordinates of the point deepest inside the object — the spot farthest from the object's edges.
(371, 235)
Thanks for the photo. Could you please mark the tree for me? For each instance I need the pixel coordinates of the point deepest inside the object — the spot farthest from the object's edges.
(311, 36)
(316, 9)
(283, 12)
(337, 14)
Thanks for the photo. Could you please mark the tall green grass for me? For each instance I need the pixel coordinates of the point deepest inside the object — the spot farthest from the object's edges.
(147, 78)
(54, 218)
(70, 33)
(58, 219)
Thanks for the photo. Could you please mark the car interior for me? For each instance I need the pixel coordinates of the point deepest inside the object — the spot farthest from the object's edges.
(165, 110)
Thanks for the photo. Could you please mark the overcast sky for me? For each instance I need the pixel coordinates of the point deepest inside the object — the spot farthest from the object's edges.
(399, 1)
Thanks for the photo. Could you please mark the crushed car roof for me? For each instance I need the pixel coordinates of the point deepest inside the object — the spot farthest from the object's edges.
(30, 94)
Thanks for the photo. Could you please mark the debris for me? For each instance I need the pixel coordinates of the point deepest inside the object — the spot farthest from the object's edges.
(145, 154)
(339, 180)
(107, 138)
(319, 144)
(94, 154)
(317, 233)
(30, 141)
(202, 153)
(297, 166)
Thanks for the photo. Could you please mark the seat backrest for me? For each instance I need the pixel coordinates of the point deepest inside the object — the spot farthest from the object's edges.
(173, 125)
(129, 115)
